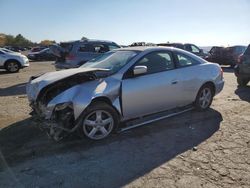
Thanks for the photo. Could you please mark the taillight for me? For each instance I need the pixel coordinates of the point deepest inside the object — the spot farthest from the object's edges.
(240, 58)
(70, 57)
(221, 72)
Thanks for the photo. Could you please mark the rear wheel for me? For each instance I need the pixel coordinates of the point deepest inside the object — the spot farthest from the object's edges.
(12, 66)
(241, 81)
(204, 97)
(99, 120)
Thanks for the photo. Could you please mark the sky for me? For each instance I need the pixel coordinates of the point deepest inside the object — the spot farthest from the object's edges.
(202, 22)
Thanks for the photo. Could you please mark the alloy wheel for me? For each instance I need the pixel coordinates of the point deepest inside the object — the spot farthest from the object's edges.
(12, 67)
(205, 98)
(98, 124)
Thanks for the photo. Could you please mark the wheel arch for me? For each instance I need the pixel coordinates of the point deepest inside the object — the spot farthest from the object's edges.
(209, 83)
(9, 60)
(116, 105)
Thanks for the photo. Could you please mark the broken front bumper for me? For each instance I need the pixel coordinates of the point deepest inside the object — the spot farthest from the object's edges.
(57, 122)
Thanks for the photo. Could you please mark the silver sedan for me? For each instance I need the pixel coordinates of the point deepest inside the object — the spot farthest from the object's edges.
(121, 89)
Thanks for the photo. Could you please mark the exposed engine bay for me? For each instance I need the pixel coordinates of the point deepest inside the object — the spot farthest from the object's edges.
(59, 119)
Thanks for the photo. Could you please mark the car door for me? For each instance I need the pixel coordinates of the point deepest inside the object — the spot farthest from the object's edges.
(155, 91)
(188, 76)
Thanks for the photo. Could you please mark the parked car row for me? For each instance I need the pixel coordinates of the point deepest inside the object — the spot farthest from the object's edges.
(100, 92)
(188, 47)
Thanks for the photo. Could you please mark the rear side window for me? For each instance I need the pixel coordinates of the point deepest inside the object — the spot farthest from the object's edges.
(185, 61)
(187, 47)
(86, 48)
(157, 62)
(241, 49)
(247, 52)
(112, 47)
(67, 46)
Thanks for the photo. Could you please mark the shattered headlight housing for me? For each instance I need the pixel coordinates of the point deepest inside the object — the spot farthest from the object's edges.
(62, 106)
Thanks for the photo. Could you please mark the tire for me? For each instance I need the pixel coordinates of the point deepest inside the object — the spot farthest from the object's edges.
(241, 81)
(98, 121)
(12, 66)
(204, 97)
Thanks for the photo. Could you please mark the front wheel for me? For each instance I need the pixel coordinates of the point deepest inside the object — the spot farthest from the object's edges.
(204, 98)
(99, 120)
(12, 66)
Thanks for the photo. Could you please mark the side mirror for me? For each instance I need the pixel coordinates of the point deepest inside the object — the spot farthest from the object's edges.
(138, 70)
(201, 51)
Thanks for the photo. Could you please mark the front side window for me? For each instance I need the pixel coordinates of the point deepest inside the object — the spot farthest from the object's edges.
(184, 60)
(100, 48)
(157, 62)
(194, 49)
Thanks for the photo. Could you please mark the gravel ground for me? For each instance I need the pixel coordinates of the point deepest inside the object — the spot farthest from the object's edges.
(195, 149)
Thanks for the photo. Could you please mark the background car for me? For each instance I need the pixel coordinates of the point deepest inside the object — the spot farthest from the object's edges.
(225, 56)
(188, 47)
(12, 62)
(242, 69)
(115, 87)
(38, 48)
(75, 53)
(232, 54)
(215, 54)
(43, 55)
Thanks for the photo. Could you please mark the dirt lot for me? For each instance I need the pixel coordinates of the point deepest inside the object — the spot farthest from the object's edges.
(208, 149)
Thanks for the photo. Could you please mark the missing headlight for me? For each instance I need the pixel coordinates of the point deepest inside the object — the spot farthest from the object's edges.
(62, 106)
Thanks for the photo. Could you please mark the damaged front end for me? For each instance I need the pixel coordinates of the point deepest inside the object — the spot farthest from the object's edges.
(57, 119)
(57, 122)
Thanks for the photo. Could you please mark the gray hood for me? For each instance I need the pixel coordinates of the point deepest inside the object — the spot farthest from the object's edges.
(35, 85)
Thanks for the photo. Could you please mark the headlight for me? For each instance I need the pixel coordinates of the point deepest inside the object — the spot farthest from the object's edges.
(62, 106)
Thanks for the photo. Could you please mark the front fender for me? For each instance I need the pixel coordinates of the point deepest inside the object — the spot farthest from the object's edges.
(83, 94)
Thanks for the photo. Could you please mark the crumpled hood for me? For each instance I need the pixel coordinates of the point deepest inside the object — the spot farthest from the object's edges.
(34, 86)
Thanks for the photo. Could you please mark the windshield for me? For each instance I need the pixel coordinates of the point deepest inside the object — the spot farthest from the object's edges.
(113, 61)
(6, 50)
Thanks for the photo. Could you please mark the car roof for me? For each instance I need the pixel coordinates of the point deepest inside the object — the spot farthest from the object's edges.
(159, 48)
(139, 48)
(148, 48)
(90, 41)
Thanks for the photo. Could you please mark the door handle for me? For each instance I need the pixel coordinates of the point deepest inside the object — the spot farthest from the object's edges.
(174, 82)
